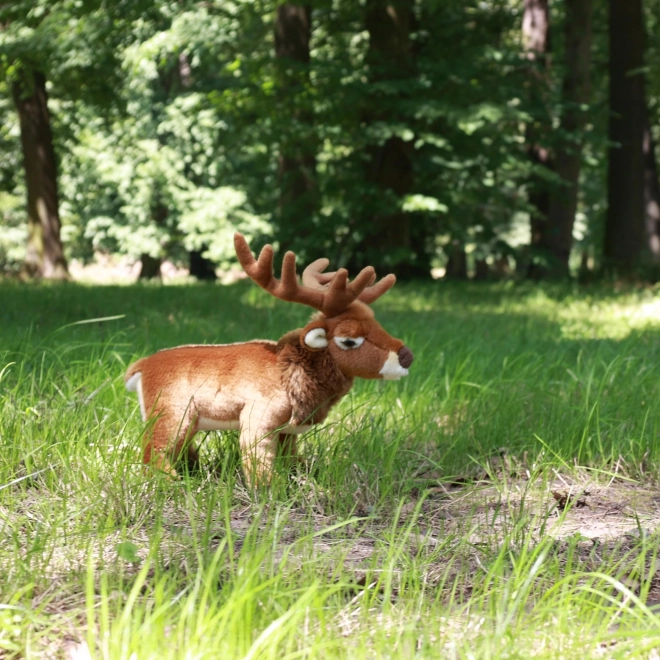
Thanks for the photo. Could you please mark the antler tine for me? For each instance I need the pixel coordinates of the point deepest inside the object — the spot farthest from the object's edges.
(288, 286)
(363, 279)
(377, 290)
(339, 282)
(306, 295)
(260, 270)
(243, 251)
(329, 293)
(341, 293)
(313, 275)
(263, 267)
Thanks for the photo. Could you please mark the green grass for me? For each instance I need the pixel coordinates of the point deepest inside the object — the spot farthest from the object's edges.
(423, 523)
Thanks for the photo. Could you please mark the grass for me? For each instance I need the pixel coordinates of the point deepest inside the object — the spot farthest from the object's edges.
(500, 502)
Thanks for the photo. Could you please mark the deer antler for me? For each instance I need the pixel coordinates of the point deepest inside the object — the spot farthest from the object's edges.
(329, 293)
(314, 278)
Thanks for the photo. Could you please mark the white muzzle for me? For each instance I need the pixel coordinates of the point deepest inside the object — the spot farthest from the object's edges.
(392, 370)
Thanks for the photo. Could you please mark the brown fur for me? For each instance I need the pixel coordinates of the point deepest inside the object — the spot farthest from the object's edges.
(311, 379)
(264, 388)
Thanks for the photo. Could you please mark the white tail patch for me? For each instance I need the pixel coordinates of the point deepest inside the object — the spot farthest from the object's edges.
(134, 384)
(131, 383)
(392, 370)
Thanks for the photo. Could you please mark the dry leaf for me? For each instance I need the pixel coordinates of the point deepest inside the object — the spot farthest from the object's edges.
(563, 499)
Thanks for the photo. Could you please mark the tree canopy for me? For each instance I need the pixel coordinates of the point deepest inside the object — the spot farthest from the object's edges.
(410, 134)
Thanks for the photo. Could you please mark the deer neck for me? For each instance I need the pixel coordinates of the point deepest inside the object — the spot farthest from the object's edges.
(312, 380)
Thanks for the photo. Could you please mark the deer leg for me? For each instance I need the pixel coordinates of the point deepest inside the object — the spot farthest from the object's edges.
(288, 444)
(192, 455)
(170, 437)
(288, 449)
(258, 451)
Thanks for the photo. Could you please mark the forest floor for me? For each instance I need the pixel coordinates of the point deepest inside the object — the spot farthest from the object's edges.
(502, 501)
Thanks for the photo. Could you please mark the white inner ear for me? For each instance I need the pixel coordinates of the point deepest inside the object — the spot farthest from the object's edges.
(347, 343)
(316, 338)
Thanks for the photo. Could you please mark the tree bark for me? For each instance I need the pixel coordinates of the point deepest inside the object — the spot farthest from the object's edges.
(456, 268)
(482, 272)
(536, 43)
(389, 243)
(45, 255)
(556, 235)
(624, 245)
(297, 155)
(150, 267)
(651, 196)
(201, 267)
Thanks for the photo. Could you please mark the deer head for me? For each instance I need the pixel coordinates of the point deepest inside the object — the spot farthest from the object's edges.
(345, 325)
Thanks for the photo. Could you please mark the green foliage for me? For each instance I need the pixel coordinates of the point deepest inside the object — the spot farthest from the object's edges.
(153, 180)
(13, 218)
(170, 118)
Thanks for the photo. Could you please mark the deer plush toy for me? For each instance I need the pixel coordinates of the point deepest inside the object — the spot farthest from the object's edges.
(269, 391)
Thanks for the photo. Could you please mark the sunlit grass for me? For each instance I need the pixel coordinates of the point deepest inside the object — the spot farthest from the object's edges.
(423, 524)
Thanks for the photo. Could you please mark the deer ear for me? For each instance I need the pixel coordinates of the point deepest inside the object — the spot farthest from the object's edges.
(314, 336)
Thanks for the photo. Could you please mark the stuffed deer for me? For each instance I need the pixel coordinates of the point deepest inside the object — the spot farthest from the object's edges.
(269, 391)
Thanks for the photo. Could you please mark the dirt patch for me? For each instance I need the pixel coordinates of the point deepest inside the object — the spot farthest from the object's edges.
(563, 507)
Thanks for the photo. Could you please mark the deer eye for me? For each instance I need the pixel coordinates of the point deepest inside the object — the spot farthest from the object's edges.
(347, 343)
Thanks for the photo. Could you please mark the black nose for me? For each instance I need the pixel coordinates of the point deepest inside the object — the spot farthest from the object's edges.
(405, 357)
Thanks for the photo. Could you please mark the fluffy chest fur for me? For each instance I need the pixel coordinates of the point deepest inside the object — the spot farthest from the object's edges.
(311, 379)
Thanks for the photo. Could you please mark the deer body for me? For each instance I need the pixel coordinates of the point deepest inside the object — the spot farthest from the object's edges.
(269, 391)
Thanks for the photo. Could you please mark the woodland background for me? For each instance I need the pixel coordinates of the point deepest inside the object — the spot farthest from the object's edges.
(490, 138)
(503, 500)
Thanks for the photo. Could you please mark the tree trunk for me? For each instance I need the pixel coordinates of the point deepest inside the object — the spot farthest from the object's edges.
(297, 156)
(651, 196)
(556, 235)
(150, 267)
(45, 256)
(624, 249)
(389, 244)
(482, 271)
(456, 268)
(201, 267)
(536, 42)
